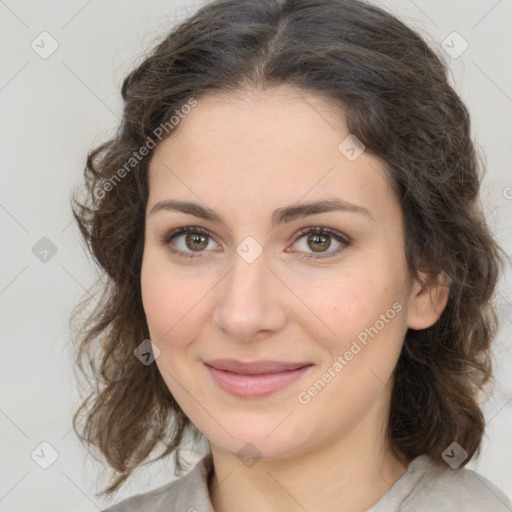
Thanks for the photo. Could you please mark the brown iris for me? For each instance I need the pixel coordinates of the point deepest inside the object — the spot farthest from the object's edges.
(196, 241)
(320, 242)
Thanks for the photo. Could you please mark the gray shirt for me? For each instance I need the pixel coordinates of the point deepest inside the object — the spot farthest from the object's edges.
(424, 487)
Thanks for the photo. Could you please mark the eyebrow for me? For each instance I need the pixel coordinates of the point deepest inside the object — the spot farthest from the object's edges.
(279, 216)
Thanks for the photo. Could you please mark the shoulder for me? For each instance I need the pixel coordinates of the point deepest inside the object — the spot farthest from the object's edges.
(464, 489)
(427, 486)
(189, 492)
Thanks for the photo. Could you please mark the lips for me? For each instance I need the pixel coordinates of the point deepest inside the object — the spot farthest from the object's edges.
(254, 368)
(255, 379)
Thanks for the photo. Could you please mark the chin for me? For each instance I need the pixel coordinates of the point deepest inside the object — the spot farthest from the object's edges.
(261, 438)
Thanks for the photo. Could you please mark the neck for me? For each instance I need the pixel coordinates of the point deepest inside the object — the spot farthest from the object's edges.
(346, 473)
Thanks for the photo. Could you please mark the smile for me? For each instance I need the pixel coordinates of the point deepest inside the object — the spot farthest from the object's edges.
(255, 380)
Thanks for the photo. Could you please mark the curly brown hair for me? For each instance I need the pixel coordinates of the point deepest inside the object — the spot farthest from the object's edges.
(399, 103)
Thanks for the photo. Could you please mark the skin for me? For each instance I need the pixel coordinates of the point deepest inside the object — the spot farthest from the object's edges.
(244, 156)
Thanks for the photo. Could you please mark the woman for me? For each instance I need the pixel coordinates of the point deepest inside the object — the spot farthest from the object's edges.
(297, 268)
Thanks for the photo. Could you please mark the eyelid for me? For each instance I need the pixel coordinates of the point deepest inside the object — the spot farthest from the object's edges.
(323, 230)
(185, 230)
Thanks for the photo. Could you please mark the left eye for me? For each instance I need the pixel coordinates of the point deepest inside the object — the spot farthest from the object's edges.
(319, 240)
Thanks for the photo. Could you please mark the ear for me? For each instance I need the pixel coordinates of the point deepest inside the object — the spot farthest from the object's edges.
(427, 301)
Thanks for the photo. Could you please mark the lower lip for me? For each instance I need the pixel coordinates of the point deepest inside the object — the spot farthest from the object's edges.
(255, 386)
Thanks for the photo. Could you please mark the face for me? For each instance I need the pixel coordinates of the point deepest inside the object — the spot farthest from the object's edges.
(277, 325)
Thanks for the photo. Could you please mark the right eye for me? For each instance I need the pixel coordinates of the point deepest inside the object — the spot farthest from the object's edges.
(187, 241)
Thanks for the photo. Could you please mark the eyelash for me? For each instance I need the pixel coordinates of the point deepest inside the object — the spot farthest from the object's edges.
(344, 240)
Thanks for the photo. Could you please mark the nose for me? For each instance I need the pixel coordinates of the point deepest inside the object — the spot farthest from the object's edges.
(250, 301)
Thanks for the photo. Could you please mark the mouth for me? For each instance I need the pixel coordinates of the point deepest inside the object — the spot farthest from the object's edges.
(255, 379)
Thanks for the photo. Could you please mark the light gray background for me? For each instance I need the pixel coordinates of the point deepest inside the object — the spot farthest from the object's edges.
(55, 109)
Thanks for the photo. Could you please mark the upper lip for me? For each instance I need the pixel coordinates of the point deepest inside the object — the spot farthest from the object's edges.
(255, 367)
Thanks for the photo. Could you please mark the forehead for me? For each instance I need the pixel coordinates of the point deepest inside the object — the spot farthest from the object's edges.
(235, 124)
(270, 147)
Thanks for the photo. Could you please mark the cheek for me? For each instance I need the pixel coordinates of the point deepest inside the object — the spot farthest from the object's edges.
(170, 303)
(359, 305)
(156, 300)
(172, 309)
